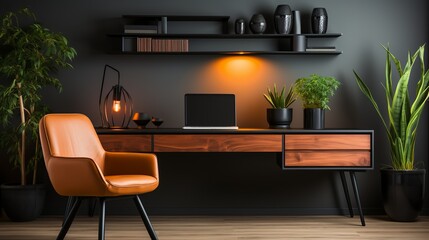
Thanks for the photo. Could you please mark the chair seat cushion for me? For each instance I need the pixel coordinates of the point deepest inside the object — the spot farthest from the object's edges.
(131, 184)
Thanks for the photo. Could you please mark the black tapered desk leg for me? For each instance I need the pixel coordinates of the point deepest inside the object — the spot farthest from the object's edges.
(356, 191)
(346, 192)
(102, 217)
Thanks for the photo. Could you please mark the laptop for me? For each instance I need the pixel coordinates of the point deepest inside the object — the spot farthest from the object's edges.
(210, 111)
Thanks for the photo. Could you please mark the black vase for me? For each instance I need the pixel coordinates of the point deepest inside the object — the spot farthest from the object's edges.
(314, 118)
(319, 21)
(283, 19)
(296, 22)
(257, 24)
(23, 203)
(239, 26)
(279, 117)
(403, 193)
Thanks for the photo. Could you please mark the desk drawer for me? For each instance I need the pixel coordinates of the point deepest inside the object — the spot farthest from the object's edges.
(328, 141)
(327, 150)
(218, 143)
(126, 143)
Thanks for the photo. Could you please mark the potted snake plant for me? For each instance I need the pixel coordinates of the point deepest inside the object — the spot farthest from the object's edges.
(30, 55)
(402, 183)
(280, 115)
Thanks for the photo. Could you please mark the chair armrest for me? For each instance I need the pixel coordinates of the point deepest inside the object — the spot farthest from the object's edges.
(131, 163)
(76, 177)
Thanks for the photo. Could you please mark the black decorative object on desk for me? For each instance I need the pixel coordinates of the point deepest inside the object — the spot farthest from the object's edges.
(258, 24)
(319, 21)
(157, 121)
(141, 119)
(283, 19)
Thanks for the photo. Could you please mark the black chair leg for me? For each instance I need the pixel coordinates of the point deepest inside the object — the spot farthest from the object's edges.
(356, 191)
(69, 218)
(145, 218)
(102, 217)
(70, 201)
(92, 203)
(346, 192)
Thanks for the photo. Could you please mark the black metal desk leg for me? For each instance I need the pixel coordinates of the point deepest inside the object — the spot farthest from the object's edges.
(355, 189)
(346, 192)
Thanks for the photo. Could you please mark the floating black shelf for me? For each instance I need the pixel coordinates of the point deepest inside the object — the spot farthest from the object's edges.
(226, 36)
(232, 53)
(132, 42)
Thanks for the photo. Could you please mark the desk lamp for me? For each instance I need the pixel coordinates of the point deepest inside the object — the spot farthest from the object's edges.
(119, 100)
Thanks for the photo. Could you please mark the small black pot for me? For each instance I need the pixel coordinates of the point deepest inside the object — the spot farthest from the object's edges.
(257, 24)
(23, 203)
(314, 118)
(403, 193)
(279, 117)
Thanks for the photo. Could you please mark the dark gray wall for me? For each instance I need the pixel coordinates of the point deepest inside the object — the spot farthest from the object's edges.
(250, 183)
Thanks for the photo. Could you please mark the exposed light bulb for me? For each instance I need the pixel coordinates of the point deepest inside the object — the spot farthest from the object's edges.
(116, 106)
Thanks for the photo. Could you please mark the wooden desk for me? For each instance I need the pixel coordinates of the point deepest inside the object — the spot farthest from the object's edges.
(342, 150)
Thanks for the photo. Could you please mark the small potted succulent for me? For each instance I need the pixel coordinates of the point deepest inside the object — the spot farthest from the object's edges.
(315, 91)
(280, 115)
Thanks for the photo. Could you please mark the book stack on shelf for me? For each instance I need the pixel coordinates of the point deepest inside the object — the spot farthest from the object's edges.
(162, 45)
(141, 29)
(320, 49)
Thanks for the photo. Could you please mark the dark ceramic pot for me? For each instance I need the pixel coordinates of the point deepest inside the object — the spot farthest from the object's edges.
(314, 118)
(319, 20)
(279, 117)
(283, 19)
(258, 24)
(23, 203)
(403, 193)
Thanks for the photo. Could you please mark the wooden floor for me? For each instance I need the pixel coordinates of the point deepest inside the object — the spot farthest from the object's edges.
(219, 228)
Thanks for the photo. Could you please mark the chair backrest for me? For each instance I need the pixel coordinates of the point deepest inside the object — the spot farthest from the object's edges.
(70, 135)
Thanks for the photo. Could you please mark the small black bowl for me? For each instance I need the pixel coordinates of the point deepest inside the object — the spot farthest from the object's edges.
(141, 119)
(157, 121)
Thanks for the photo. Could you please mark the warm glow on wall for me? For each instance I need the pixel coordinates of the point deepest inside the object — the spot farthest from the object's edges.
(238, 67)
(245, 76)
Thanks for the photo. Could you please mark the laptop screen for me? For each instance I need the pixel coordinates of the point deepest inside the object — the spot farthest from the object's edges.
(210, 110)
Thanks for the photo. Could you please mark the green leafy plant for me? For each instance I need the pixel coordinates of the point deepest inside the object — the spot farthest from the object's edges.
(280, 100)
(315, 90)
(30, 55)
(403, 115)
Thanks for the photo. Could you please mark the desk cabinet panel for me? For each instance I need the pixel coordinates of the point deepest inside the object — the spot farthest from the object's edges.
(327, 159)
(218, 143)
(328, 141)
(126, 143)
(328, 150)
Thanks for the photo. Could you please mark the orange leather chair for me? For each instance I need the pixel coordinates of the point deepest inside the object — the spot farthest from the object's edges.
(79, 167)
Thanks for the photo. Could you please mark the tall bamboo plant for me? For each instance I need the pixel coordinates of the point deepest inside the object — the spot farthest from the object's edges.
(30, 54)
(403, 114)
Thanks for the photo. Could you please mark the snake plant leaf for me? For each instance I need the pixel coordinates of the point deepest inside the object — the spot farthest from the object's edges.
(403, 114)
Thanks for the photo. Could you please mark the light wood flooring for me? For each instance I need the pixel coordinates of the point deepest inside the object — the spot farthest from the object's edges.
(222, 228)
